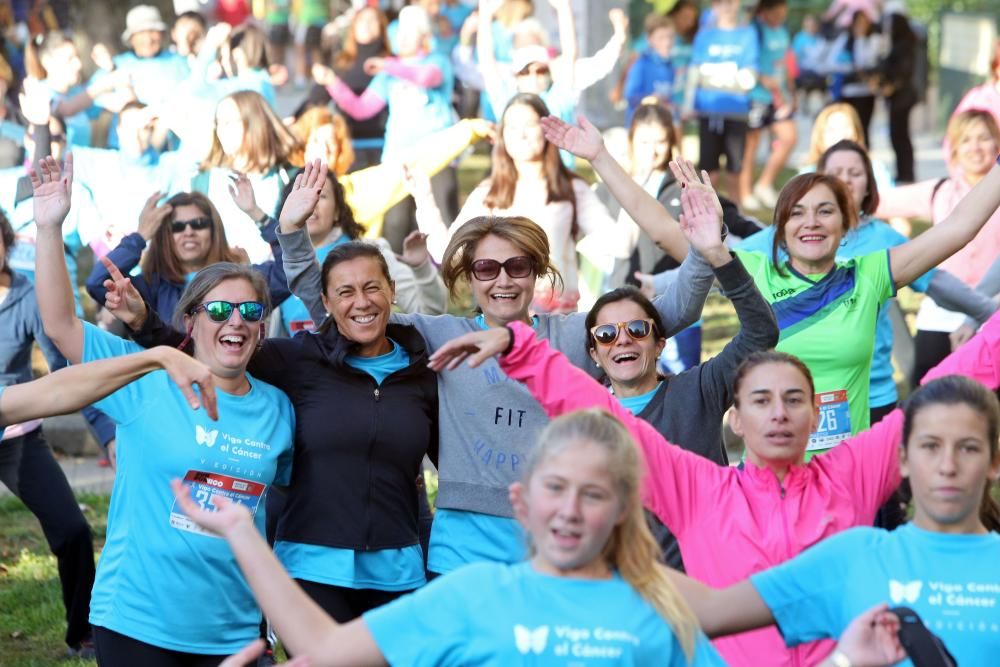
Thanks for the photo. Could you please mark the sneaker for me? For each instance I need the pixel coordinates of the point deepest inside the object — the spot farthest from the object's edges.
(83, 651)
(750, 203)
(766, 195)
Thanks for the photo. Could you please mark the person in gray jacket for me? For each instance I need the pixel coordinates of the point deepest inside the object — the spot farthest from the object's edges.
(487, 424)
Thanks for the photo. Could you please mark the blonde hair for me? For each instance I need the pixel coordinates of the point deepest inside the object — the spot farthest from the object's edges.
(816, 147)
(631, 549)
(267, 143)
(960, 123)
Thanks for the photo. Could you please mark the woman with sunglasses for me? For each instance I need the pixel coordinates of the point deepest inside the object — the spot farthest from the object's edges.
(813, 293)
(487, 424)
(349, 526)
(733, 522)
(184, 235)
(166, 593)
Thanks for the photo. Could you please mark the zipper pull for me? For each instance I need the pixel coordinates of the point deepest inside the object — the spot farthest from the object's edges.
(376, 400)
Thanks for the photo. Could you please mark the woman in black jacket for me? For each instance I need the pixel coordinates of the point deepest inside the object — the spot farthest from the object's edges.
(900, 93)
(366, 410)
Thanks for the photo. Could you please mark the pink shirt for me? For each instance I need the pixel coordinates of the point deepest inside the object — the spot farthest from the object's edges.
(730, 522)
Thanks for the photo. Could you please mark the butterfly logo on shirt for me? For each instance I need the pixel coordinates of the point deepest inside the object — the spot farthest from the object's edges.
(900, 592)
(531, 641)
(203, 436)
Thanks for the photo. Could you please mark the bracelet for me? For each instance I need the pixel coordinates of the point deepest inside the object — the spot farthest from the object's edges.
(839, 659)
(263, 220)
(510, 346)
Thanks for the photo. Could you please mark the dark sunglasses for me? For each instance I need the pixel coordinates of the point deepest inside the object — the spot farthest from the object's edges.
(606, 334)
(178, 226)
(221, 311)
(516, 267)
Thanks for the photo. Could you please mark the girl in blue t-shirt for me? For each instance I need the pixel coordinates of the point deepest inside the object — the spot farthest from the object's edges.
(592, 587)
(942, 565)
(164, 592)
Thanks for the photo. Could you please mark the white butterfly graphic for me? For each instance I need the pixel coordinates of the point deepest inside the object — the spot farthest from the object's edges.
(531, 641)
(904, 592)
(205, 437)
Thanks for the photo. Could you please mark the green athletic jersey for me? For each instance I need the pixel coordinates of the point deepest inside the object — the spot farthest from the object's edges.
(311, 12)
(276, 12)
(828, 321)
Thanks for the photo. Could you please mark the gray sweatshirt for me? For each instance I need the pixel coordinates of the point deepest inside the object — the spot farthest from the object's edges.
(488, 423)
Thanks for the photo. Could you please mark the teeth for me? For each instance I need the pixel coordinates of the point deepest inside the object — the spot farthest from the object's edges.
(628, 356)
(232, 339)
(363, 319)
(504, 296)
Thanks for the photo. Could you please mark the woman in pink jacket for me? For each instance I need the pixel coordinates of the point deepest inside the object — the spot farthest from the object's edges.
(733, 522)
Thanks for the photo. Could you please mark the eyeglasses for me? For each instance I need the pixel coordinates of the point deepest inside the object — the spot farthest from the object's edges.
(178, 226)
(606, 334)
(516, 267)
(221, 311)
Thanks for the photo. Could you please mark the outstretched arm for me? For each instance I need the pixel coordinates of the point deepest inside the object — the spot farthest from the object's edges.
(302, 625)
(75, 387)
(585, 141)
(51, 202)
(941, 241)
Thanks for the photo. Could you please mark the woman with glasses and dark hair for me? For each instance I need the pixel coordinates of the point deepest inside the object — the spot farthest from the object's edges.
(184, 235)
(166, 593)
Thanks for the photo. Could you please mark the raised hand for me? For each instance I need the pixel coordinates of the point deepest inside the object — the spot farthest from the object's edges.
(488, 9)
(414, 249)
(123, 299)
(417, 183)
(686, 174)
(872, 639)
(619, 23)
(36, 102)
(476, 346)
(186, 372)
(302, 200)
(52, 187)
(152, 216)
(226, 517)
(702, 225)
(583, 141)
(241, 190)
(323, 75)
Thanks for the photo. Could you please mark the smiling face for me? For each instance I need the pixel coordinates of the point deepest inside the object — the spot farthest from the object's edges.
(191, 245)
(570, 508)
(522, 133)
(650, 147)
(849, 167)
(774, 414)
(359, 297)
(976, 149)
(947, 460)
(630, 364)
(502, 299)
(226, 347)
(814, 230)
(146, 43)
(229, 126)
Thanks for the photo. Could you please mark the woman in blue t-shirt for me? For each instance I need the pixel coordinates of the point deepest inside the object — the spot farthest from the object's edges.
(942, 565)
(164, 592)
(591, 590)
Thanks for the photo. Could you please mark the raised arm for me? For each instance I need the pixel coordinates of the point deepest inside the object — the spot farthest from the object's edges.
(425, 75)
(567, 38)
(302, 625)
(492, 77)
(589, 70)
(585, 141)
(944, 239)
(51, 201)
(75, 387)
(357, 107)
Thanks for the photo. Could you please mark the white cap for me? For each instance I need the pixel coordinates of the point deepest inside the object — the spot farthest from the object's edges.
(141, 18)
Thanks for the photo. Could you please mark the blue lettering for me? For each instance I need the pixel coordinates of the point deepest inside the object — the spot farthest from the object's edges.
(487, 456)
(501, 457)
(492, 375)
(478, 445)
(514, 460)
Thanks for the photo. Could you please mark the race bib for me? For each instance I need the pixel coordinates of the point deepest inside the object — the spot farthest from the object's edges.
(834, 420)
(296, 326)
(204, 486)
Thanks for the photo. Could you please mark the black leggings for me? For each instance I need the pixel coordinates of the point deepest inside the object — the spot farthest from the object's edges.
(931, 347)
(118, 650)
(900, 107)
(346, 604)
(865, 106)
(30, 471)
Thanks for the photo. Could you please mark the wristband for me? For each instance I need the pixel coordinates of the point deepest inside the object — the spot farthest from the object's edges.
(839, 659)
(263, 220)
(510, 346)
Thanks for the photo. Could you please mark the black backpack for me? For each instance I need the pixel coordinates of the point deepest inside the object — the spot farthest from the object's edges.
(924, 648)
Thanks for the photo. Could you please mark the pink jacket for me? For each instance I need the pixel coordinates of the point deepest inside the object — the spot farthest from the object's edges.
(731, 522)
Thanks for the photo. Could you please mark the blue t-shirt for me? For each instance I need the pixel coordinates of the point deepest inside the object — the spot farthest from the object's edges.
(493, 614)
(636, 404)
(651, 74)
(384, 569)
(719, 55)
(153, 79)
(294, 314)
(415, 111)
(950, 580)
(774, 44)
(161, 579)
(78, 126)
(680, 58)
(869, 236)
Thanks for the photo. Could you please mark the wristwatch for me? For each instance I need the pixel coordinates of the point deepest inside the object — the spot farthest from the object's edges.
(262, 221)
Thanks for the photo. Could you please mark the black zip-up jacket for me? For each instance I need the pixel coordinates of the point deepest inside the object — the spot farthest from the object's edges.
(358, 447)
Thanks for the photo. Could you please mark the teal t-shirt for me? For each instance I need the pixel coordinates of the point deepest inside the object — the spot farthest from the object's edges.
(384, 569)
(636, 404)
(495, 614)
(949, 580)
(774, 45)
(161, 579)
(828, 321)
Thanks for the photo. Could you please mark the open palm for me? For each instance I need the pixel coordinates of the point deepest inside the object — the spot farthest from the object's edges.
(583, 141)
(302, 200)
(700, 222)
(51, 187)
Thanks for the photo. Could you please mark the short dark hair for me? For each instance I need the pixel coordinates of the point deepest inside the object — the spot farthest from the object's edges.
(345, 252)
(626, 293)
